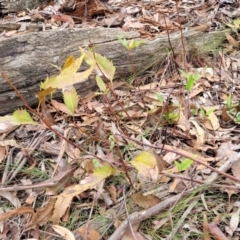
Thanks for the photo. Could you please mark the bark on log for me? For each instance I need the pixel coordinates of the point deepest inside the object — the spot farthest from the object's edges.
(7, 6)
(26, 59)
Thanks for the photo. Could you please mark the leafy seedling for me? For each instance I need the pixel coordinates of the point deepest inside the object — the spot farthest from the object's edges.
(191, 79)
(131, 44)
(185, 164)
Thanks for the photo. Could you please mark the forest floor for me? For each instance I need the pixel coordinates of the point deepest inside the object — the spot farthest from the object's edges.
(155, 156)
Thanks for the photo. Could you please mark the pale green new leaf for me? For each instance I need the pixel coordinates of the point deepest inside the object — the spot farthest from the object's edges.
(123, 41)
(185, 164)
(134, 44)
(22, 117)
(102, 64)
(70, 98)
(101, 84)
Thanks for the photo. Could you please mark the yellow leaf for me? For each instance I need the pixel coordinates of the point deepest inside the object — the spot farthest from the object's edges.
(71, 99)
(146, 164)
(70, 60)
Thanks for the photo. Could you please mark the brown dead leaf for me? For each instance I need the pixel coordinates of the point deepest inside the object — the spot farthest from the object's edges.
(225, 116)
(113, 193)
(67, 234)
(161, 164)
(177, 185)
(43, 214)
(92, 234)
(2, 153)
(60, 208)
(205, 228)
(236, 169)
(145, 201)
(60, 106)
(18, 211)
(11, 198)
(216, 232)
(46, 115)
(63, 18)
(231, 40)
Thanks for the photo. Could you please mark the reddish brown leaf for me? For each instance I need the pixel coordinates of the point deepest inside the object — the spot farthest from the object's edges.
(216, 232)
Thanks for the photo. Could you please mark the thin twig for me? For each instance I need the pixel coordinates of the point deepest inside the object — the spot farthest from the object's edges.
(125, 204)
(180, 222)
(183, 153)
(48, 183)
(138, 217)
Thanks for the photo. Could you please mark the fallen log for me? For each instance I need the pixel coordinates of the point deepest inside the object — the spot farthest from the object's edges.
(26, 59)
(9, 6)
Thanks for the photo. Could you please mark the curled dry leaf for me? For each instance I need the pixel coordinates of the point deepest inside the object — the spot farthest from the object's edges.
(11, 198)
(15, 212)
(67, 234)
(91, 234)
(145, 201)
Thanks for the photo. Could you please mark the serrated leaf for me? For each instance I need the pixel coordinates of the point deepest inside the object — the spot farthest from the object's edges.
(70, 98)
(65, 198)
(22, 117)
(101, 84)
(98, 61)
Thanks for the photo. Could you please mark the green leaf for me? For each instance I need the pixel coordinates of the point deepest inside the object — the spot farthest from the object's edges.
(101, 64)
(134, 44)
(229, 101)
(190, 83)
(71, 99)
(184, 74)
(22, 117)
(185, 164)
(123, 41)
(101, 84)
(210, 111)
(191, 79)
(160, 98)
